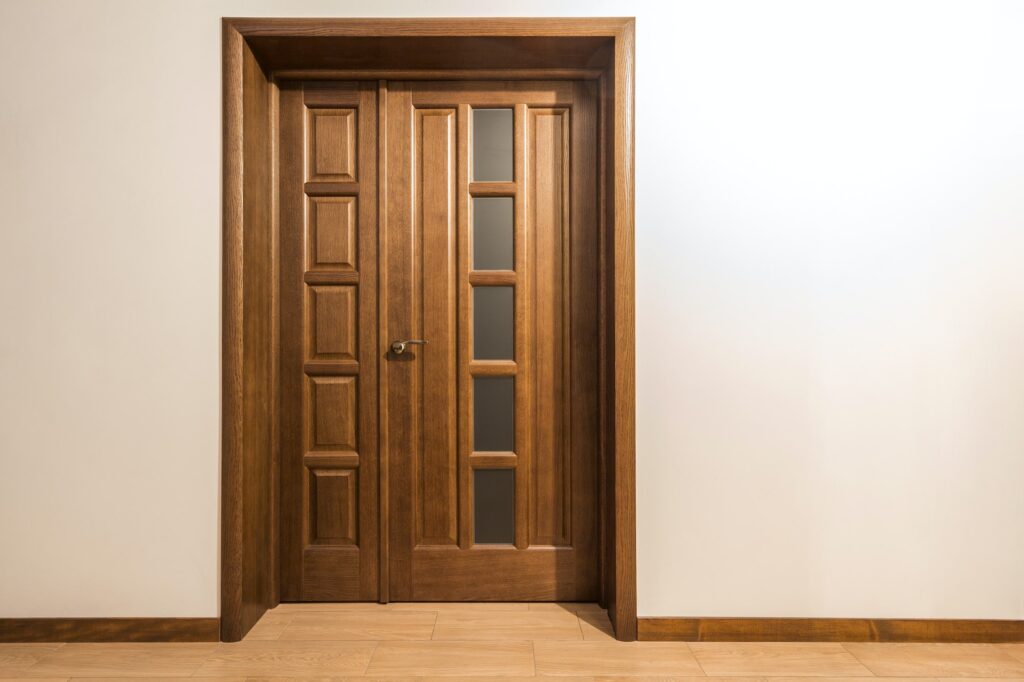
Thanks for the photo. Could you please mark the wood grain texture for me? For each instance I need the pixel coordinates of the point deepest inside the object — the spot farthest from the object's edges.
(431, 276)
(828, 630)
(374, 625)
(509, 626)
(420, 659)
(437, 74)
(383, 449)
(620, 324)
(249, 342)
(446, 27)
(109, 629)
(438, 52)
(231, 336)
(288, 659)
(746, 659)
(937, 660)
(123, 660)
(609, 658)
(328, 356)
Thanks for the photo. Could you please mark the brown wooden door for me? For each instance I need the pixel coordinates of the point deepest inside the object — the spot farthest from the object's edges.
(474, 455)
(329, 342)
(490, 255)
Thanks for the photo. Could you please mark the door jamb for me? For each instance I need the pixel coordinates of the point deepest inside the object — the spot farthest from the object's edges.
(258, 51)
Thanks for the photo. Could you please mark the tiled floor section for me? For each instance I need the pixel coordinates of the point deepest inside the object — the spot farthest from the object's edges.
(513, 641)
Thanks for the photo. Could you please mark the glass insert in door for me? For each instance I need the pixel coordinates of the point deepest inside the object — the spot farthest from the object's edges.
(494, 506)
(492, 145)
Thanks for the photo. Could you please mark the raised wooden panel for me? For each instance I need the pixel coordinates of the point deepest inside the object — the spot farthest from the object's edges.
(332, 234)
(332, 145)
(332, 413)
(333, 323)
(437, 492)
(548, 224)
(334, 506)
(333, 573)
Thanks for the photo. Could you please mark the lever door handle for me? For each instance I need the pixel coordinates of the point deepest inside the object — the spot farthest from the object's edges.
(398, 347)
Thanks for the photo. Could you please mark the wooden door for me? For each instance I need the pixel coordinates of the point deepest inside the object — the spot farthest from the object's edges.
(490, 256)
(329, 343)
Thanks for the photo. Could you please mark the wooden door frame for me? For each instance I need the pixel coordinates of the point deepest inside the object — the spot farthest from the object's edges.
(259, 52)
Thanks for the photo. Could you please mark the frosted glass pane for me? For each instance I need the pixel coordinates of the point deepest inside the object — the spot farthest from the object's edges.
(492, 233)
(492, 145)
(493, 323)
(494, 414)
(494, 514)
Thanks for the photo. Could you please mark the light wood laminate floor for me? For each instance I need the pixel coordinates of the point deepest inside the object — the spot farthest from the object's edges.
(338, 641)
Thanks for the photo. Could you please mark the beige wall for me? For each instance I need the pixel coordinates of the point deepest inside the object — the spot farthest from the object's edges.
(830, 225)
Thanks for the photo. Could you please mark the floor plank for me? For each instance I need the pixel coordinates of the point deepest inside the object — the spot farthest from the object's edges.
(308, 607)
(570, 606)
(360, 625)
(15, 658)
(270, 626)
(424, 659)
(460, 606)
(288, 659)
(615, 658)
(776, 659)
(938, 660)
(1015, 650)
(123, 660)
(509, 626)
(596, 626)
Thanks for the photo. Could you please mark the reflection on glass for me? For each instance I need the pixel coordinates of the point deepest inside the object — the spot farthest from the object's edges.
(492, 145)
(493, 414)
(492, 233)
(492, 323)
(494, 492)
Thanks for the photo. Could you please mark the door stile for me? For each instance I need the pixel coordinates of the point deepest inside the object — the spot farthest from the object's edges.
(465, 291)
(383, 484)
(583, 286)
(523, 247)
(397, 298)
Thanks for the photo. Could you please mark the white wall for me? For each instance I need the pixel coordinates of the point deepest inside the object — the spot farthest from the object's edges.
(830, 220)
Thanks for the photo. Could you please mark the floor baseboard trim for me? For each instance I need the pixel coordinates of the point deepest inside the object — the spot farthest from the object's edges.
(828, 630)
(30, 630)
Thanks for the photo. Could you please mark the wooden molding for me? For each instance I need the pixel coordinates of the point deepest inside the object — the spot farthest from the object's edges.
(30, 630)
(828, 630)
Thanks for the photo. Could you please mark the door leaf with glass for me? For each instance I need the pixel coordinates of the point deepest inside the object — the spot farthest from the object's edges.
(491, 248)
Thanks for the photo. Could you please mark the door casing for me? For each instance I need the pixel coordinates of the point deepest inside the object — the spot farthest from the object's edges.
(259, 53)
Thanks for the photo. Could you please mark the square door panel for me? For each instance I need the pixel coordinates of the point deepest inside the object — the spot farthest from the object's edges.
(332, 234)
(331, 155)
(332, 322)
(333, 497)
(333, 414)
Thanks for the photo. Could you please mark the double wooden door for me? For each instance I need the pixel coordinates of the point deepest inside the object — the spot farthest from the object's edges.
(438, 304)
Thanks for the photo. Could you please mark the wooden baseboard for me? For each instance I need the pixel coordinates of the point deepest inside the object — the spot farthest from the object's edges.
(109, 629)
(827, 630)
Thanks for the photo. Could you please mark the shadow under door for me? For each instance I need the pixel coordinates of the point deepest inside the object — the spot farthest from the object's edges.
(439, 341)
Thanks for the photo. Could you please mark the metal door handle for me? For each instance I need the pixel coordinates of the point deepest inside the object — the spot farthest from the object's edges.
(398, 347)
